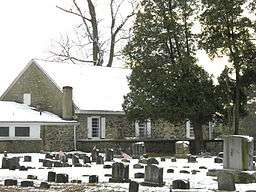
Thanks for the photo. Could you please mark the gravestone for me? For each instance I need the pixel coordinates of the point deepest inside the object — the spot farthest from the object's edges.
(226, 181)
(138, 166)
(48, 156)
(100, 160)
(47, 163)
(180, 184)
(5, 153)
(152, 160)
(10, 182)
(238, 152)
(107, 166)
(27, 158)
(218, 160)
(76, 181)
(10, 163)
(109, 155)
(139, 175)
(57, 164)
(93, 179)
(44, 185)
(153, 176)
(191, 159)
(94, 154)
(61, 178)
(32, 177)
(86, 159)
(51, 176)
(138, 149)
(181, 149)
(133, 186)
(27, 184)
(120, 173)
(75, 160)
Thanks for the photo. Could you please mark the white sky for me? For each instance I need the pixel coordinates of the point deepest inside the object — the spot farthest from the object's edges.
(27, 28)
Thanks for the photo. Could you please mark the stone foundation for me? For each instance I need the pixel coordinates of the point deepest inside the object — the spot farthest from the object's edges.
(20, 146)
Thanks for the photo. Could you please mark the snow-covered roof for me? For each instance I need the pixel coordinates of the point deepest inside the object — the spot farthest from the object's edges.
(95, 88)
(12, 112)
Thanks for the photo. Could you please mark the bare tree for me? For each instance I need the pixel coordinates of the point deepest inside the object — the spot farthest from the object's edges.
(90, 32)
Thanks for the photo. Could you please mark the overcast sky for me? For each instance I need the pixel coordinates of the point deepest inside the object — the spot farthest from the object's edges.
(29, 26)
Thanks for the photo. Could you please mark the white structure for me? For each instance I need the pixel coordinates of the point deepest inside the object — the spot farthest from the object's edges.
(21, 122)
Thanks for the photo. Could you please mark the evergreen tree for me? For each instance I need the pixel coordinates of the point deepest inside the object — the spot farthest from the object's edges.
(226, 31)
(166, 83)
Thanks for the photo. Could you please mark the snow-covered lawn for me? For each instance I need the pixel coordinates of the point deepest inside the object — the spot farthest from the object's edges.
(198, 182)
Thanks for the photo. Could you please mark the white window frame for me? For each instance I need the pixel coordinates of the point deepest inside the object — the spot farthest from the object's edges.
(34, 131)
(146, 129)
(189, 130)
(101, 131)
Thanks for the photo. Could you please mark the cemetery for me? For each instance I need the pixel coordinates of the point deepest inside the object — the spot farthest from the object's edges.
(108, 170)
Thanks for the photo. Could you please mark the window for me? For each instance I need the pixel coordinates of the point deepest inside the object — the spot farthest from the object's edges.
(189, 130)
(22, 132)
(143, 128)
(95, 127)
(4, 131)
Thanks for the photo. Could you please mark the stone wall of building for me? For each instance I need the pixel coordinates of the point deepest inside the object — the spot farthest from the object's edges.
(56, 138)
(167, 130)
(117, 126)
(44, 93)
(20, 146)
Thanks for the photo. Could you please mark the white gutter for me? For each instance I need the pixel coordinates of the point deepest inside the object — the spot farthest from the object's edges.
(97, 112)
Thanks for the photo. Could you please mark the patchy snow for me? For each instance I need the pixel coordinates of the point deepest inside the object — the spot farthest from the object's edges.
(94, 87)
(199, 182)
(16, 112)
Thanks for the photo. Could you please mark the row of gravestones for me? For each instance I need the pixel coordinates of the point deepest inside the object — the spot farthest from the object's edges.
(153, 176)
(14, 182)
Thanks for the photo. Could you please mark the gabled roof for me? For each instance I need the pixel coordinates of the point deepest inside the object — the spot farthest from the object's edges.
(12, 112)
(96, 89)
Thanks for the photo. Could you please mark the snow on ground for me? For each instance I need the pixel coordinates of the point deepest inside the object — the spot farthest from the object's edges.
(199, 182)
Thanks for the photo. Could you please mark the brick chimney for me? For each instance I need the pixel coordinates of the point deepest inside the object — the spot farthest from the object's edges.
(67, 103)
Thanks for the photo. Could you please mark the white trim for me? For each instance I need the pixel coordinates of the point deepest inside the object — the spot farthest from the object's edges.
(99, 112)
(19, 139)
(39, 123)
(102, 127)
(27, 99)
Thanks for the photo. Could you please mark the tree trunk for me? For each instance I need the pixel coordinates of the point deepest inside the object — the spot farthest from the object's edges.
(198, 131)
(237, 102)
(95, 34)
(111, 51)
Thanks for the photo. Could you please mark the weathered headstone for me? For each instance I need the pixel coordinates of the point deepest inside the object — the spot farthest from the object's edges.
(138, 166)
(86, 159)
(139, 175)
(238, 152)
(76, 181)
(5, 153)
(61, 178)
(57, 164)
(182, 149)
(109, 155)
(93, 179)
(180, 184)
(27, 158)
(133, 186)
(10, 163)
(44, 185)
(100, 160)
(47, 163)
(152, 160)
(138, 149)
(153, 176)
(75, 160)
(226, 181)
(48, 156)
(51, 176)
(120, 173)
(170, 170)
(192, 159)
(32, 177)
(10, 182)
(218, 160)
(107, 166)
(27, 184)
(94, 154)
